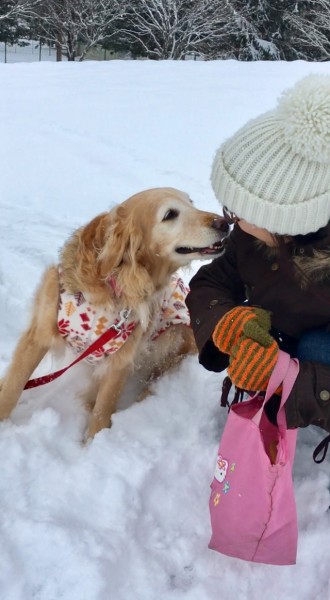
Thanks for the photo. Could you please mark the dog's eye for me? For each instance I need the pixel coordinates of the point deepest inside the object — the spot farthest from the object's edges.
(171, 214)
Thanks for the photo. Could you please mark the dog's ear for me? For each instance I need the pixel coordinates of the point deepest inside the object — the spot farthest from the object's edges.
(80, 254)
(123, 252)
(118, 241)
(93, 236)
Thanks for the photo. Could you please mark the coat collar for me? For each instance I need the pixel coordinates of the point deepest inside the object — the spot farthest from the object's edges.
(310, 256)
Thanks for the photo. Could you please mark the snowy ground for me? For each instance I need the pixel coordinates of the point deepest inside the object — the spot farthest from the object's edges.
(125, 518)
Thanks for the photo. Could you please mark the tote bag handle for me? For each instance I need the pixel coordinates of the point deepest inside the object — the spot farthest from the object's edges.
(287, 386)
(285, 373)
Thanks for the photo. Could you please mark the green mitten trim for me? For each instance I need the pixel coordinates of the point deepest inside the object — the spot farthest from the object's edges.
(258, 329)
(263, 318)
(255, 332)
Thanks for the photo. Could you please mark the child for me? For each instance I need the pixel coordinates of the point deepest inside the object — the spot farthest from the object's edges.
(271, 287)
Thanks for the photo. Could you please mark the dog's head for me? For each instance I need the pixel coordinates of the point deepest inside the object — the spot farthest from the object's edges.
(179, 231)
(142, 241)
(160, 230)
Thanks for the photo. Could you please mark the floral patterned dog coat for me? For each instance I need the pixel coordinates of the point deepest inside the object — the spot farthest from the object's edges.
(81, 323)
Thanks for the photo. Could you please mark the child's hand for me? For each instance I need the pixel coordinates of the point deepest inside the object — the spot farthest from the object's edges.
(233, 324)
(251, 363)
(243, 333)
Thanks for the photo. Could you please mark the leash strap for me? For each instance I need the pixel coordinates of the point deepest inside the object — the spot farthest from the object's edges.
(323, 445)
(111, 333)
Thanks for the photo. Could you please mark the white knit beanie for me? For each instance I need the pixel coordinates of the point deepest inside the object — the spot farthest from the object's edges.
(275, 171)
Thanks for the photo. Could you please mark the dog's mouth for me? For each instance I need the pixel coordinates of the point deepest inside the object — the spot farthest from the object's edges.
(215, 248)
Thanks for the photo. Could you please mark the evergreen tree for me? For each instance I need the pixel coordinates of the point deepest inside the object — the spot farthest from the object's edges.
(13, 28)
(267, 32)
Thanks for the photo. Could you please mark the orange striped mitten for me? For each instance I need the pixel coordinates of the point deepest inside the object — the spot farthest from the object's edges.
(252, 362)
(229, 329)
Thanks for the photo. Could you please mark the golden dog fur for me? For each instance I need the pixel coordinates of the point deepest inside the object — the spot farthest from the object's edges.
(141, 243)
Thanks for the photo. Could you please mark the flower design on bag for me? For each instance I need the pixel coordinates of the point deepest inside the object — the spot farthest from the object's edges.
(221, 468)
(216, 499)
(226, 487)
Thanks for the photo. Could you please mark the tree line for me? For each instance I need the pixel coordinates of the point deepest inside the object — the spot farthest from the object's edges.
(174, 29)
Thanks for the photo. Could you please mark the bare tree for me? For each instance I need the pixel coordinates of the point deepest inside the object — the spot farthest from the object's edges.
(75, 26)
(175, 29)
(171, 29)
(12, 9)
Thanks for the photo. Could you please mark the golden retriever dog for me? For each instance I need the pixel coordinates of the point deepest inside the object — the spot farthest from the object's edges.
(117, 273)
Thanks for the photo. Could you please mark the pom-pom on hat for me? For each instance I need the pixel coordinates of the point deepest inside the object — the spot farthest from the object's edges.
(275, 171)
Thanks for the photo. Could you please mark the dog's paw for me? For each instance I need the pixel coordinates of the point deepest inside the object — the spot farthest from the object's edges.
(147, 391)
(5, 407)
(86, 441)
(96, 425)
(4, 414)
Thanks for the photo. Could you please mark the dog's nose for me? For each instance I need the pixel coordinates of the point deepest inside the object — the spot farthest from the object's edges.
(220, 224)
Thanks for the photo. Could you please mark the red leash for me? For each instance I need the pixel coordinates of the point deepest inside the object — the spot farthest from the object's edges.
(111, 333)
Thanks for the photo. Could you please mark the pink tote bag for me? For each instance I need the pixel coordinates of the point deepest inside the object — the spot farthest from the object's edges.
(252, 503)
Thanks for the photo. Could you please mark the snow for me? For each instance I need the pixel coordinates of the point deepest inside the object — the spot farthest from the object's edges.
(125, 517)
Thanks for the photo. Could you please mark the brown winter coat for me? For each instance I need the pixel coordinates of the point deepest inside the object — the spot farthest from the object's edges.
(294, 284)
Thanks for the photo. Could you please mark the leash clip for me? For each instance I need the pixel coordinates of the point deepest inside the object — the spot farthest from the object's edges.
(124, 314)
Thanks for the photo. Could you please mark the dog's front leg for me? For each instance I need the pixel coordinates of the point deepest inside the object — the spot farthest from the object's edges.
(110, 389)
